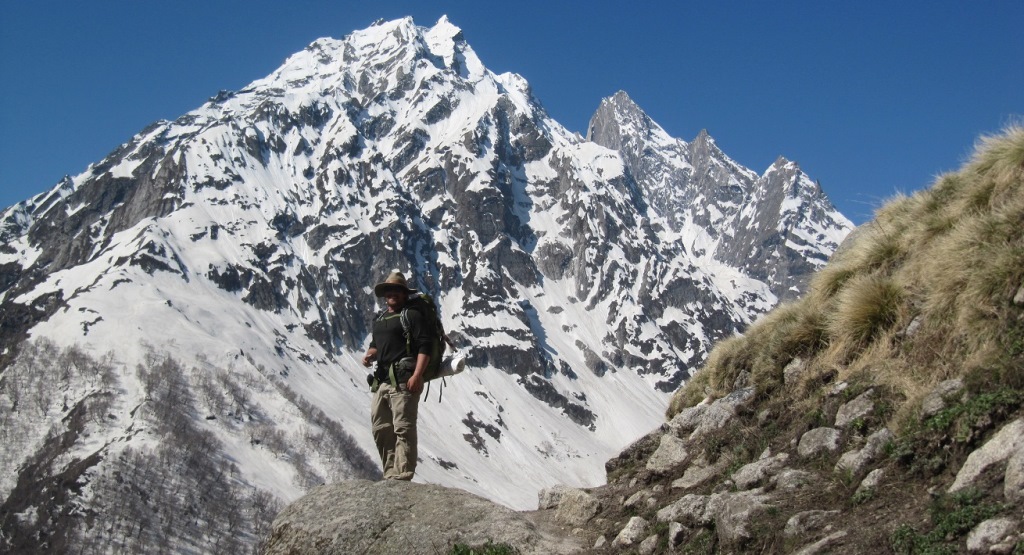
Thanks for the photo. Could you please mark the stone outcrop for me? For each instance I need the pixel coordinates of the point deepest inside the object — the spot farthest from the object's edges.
(402, 517)
(1004, 445)
(663, 499)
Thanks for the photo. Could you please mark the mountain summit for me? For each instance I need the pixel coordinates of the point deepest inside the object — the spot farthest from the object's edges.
(778, 227)
(225, 261)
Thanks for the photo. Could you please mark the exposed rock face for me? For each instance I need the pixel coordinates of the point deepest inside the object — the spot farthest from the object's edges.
(1004, 445)
(771, 225)
(788, 497)
(818, 441)
(402, 517)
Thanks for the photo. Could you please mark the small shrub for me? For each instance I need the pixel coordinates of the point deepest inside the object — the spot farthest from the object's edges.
(730, 357)
(692, 392)
(952, 518)
(863, 496)
(880, 249)
(829, 281)
(866, 307)
(960, 419)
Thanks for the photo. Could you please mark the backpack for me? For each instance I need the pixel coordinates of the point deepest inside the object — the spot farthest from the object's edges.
(439, 339)
(437, 367)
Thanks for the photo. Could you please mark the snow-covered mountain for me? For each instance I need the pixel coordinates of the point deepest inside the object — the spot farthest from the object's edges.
(226, 259)
(778, 227)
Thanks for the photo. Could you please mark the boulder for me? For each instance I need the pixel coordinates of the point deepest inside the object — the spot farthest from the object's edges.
(990, 533)
(704, 417)
(576, 507)
(792, 372)
(393, 516)
(1013, 482)
(936, 400)
(790, 479)
(650, 545)
(676, 533)
(549, 498)
(818, 441)
(735, 513)
(671, 453)
(857, 460)
(860, 407)
(698, 472)
(634, 531)
(689, 510)
(808, 523)
(757, 472)
(871, 481)
(999, 449)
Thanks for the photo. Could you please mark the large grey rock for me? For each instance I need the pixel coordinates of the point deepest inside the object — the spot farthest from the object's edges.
(818, 441)
(402, 517)
(1013, 481)
(676, 533)
(856, 461)
(860, 407)
(634, 531)
(790, 479)
(699, 472)
(871, 481)
(649, 545)
(757, 472)
(825, 545)
(705, 417)
(999, 449)
(734, 515)
(549, 498)
(689, 510)
(991, 532)
(671, 453)
(635, 500)
(577, 507)
(792, 372)
(937, 399)
(808, 523)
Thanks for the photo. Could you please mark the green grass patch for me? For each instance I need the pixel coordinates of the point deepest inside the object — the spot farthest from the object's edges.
(960, 419)
(953, 516)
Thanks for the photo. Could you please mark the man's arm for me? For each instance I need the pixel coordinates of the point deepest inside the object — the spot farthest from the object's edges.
(420, 330)
(415, 383)
(370, 355)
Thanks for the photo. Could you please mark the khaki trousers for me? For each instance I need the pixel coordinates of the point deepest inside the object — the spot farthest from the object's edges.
(393, 415)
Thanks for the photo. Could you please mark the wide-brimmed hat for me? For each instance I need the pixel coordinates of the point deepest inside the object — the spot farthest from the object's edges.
(396, 280)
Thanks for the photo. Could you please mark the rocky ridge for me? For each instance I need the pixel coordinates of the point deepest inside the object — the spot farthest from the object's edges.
(831, 489)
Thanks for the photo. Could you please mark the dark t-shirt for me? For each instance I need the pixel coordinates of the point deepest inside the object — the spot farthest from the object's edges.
(389, 340)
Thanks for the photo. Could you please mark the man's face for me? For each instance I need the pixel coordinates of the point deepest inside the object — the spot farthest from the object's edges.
(395, 298)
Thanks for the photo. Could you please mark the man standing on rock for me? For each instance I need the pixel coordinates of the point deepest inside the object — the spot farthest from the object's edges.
(402, 357)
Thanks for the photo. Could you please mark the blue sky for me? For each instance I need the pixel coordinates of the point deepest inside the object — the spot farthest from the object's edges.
(870, 98)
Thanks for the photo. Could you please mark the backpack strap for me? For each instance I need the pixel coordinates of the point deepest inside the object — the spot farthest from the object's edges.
(404, 319)
(405, 332)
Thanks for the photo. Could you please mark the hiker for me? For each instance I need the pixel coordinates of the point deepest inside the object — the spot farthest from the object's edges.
(398, 379)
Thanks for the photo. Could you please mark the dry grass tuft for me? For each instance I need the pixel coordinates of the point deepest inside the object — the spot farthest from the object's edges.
(949, 258)
(865, 309)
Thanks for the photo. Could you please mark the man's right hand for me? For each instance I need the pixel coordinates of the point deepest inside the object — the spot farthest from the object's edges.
(368, 357)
